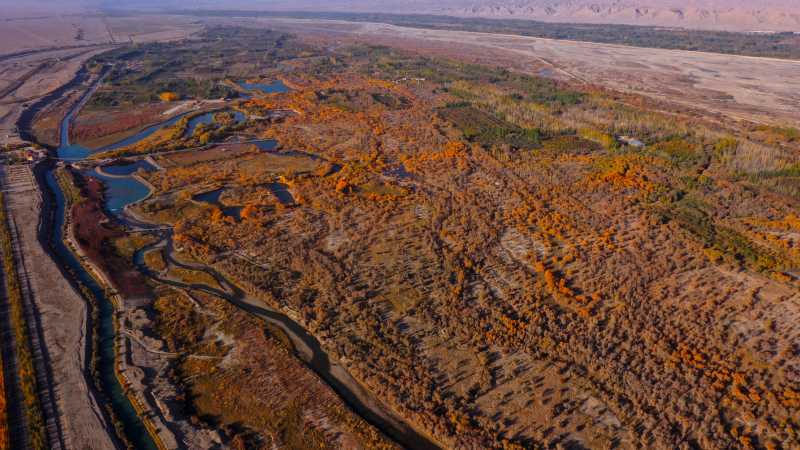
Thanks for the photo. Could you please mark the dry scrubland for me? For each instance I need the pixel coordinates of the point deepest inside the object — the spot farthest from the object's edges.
(481, 252)
(248, 383)
(506, 274)
(230, 365)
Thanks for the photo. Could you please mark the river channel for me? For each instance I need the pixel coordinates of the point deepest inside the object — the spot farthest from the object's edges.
(309, 349)
(135, 429)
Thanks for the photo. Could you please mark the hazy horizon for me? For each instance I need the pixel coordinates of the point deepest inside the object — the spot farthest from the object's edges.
(727, 15)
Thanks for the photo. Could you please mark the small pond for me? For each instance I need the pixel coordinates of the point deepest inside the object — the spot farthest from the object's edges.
(266, 145)
(209, 118)
(398, 171)
(121, 191)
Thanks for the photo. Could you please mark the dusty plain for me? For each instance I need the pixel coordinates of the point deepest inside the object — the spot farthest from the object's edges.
(731, 15)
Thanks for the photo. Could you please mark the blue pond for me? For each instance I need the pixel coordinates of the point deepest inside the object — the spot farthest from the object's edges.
(272, 88)
(551, 74)
(121, 191)
(266, 145)
(128, 169)
(209, 118)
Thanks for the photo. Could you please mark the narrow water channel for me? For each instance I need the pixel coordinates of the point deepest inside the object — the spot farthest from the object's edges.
(135, 430)
(308, 348)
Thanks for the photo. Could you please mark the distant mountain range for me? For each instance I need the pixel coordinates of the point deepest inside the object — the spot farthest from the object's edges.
(731, 15)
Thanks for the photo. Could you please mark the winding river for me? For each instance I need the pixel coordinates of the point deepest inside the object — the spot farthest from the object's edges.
(135, 429)
(309, 349)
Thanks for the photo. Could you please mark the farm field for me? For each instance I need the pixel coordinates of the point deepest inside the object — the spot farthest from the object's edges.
(96, 128)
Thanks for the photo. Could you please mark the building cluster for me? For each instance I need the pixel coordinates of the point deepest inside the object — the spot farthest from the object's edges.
(32, 154)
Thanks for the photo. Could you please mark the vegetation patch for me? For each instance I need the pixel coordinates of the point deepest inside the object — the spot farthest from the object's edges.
(264, 397)
(5, 442)
(225, 118)
(129, 244)
(210, 155)
(404, 299)
(279, 164)
(155, 260)
(190, 276)
(171, 213)
(93, 231)
(569, 142)
(178, 323)
(381, 190)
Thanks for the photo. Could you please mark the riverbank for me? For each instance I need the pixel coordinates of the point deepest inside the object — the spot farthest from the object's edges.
(136, 396)
(144, 376)
(291, 365)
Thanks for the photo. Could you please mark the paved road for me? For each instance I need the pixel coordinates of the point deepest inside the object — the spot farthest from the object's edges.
(44, 375)
(17, 418)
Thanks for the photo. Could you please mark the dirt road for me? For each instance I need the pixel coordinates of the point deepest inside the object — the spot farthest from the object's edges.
(58, 316)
